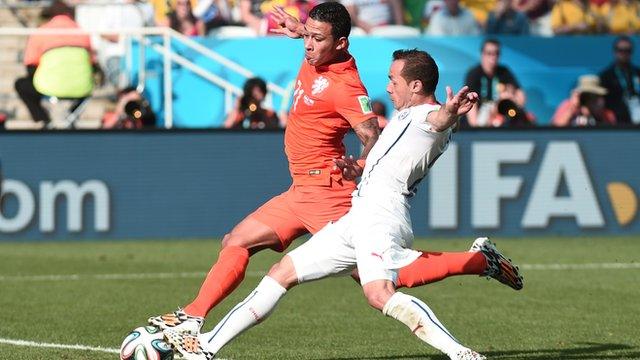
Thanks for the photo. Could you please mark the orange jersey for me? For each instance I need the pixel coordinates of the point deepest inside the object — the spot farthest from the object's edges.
(39, 44)
(327, 102)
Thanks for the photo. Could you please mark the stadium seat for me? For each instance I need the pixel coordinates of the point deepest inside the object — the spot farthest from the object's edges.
(230, 32)
(395, 31)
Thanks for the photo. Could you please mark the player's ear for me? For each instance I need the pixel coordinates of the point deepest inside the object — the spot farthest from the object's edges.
(342, 43)
(415, 86)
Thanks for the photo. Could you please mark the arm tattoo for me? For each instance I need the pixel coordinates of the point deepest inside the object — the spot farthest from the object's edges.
(368, 132)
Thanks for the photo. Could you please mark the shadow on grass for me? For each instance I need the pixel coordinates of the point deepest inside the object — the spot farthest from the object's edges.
(584, 351)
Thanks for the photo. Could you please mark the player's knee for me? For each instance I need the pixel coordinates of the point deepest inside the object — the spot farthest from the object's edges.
(377, 294)
(232, 239)
(284, 273)
(376, 300)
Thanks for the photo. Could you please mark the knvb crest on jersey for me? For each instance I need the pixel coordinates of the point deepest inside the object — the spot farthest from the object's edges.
(319, 85)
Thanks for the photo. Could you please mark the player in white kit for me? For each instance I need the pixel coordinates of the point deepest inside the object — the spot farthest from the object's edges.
(375, 235)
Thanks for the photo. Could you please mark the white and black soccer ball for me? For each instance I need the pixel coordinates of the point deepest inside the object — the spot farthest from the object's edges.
(145, 343)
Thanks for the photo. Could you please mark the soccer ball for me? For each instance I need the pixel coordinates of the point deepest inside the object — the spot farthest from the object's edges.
(145, 343)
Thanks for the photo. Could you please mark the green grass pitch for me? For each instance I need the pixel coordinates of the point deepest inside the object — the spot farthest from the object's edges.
(588, 312)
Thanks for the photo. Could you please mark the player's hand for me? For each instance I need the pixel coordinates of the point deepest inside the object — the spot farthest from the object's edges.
(289, 25)
(348, 167)
(460, 103)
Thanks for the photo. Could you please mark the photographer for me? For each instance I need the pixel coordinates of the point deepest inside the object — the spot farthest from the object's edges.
(249, 112)
(132, 111)
(495, 83)
(586, 106)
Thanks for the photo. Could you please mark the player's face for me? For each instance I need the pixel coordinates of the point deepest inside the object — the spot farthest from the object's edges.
(398, 88)
(320, 47)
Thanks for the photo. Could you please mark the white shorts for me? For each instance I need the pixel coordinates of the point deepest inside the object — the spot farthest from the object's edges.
(374, 236)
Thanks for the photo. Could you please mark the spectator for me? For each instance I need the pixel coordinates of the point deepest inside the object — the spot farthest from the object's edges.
(480, 9)
(506, 20)
(256, 13)
(367, 14)
(414, 13)
(622, 81)
(586, 106)
(380, 110)
(574, 17)
(58, 16)
(539, 14)
(213, 13)
(494, 83)
(620, 16)
(453, 19)
(182, 20)
(249, 112)
(111, 48)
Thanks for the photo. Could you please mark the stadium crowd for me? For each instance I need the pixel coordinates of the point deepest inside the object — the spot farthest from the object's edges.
(609, 98)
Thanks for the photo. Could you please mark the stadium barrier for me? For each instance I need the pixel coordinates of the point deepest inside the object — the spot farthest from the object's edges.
(547, 68)
(193, 184)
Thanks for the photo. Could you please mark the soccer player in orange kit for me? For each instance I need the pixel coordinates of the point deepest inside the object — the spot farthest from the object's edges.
(329, 99)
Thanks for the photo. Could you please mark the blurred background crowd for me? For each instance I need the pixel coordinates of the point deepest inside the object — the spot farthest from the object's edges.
(610, 97)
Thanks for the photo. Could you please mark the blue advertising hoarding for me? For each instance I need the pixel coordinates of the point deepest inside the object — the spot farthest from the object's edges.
(185, 184)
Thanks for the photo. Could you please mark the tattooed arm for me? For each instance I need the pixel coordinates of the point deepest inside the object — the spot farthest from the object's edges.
(368, 132)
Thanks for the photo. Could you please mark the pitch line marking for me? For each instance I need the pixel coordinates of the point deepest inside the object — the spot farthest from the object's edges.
(588, 266)
(29, 343)
(198, 274)
(58, 346)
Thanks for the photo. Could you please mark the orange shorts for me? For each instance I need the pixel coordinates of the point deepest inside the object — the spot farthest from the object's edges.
(304, 209)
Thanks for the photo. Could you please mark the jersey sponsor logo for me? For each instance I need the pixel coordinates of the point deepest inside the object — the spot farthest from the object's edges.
(297, 93)
(365, 104)
(319, 84)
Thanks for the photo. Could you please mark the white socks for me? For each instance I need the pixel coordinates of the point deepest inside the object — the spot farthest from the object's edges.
(422, 322)
(252, 310)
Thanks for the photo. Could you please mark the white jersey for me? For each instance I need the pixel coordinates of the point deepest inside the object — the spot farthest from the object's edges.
(376, 234)
(403, 154)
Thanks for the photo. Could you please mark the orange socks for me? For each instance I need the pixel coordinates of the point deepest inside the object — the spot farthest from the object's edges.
(225, 275)
(435, 266)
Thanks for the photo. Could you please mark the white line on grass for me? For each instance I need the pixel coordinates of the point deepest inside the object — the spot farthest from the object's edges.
(588, 266)
(190, 275)
(28, 343)
(57, 346)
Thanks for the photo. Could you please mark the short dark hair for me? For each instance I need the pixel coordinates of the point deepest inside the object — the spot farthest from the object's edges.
(55, 8)
(335, 14)
(419, 65)
(493, 41)
(622, 38)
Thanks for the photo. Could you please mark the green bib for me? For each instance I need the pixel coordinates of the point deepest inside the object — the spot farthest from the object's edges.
(64, 72)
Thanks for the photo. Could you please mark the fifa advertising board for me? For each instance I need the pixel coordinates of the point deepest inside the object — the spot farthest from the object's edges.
(196, 184)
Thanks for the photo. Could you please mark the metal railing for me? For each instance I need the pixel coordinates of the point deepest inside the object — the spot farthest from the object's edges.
(168, 35)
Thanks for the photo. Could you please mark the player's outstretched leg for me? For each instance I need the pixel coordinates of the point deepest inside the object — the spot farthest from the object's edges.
(482, 259)
(252, 310)
(431, 267)
(499, 267)
(225, 275)
(425, 325)
(246, 238)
